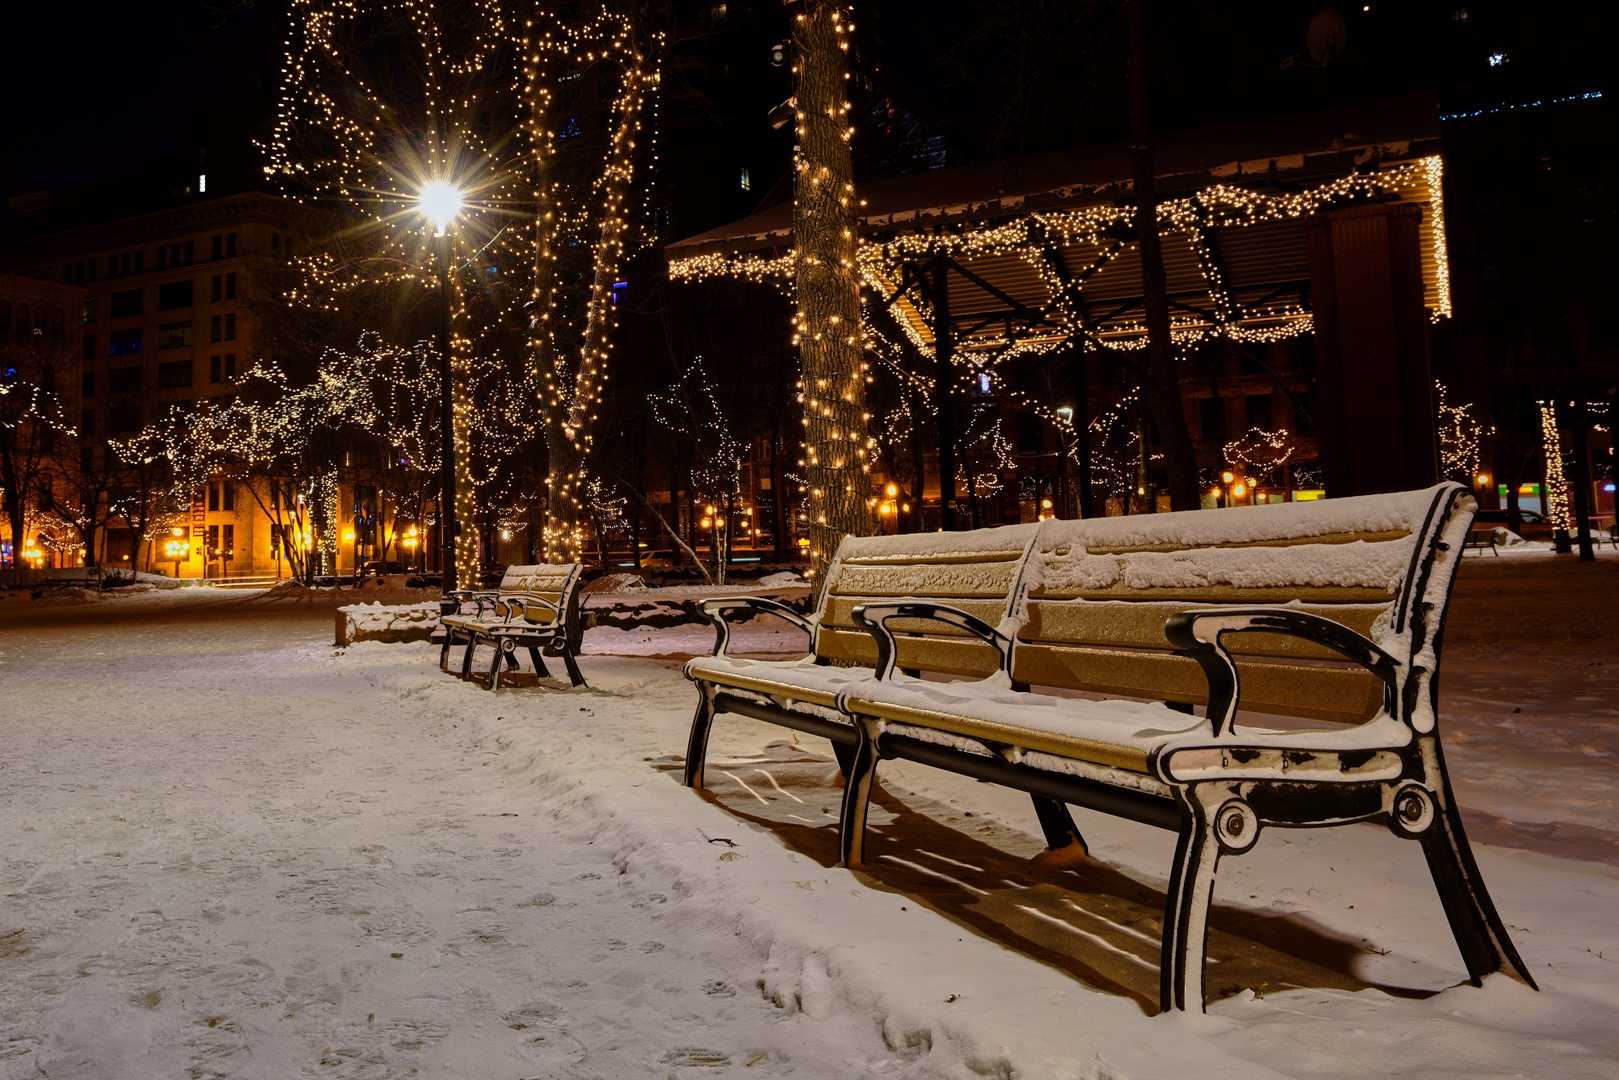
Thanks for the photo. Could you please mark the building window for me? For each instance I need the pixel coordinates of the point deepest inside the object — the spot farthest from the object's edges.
(1259, 411)
(124, 419)
(230, 327)
(87, 424)
(213, 497)
(230, 367)
(176, 294)
(214, 369)
(89, 309)
(124, 342)
(87, 385)
(174, 375)
(124, 380)
(125, 303)
(227, 493)
(1211, 417)
(88, 349)
(745, 181)
(174, 335)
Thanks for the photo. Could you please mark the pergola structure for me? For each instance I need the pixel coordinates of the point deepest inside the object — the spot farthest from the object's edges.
(977, 267)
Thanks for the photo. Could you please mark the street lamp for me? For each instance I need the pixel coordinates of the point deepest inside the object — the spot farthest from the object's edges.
(440, 202)
(176, 549)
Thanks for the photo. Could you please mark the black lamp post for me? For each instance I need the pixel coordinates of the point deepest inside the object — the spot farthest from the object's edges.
(440, 201)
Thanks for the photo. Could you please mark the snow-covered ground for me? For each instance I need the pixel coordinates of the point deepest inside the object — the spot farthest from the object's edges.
(228, 849)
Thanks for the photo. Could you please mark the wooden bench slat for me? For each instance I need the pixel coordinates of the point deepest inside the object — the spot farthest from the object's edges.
(1140, 624)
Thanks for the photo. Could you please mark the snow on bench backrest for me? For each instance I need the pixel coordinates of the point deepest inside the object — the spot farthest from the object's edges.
(547, 581)
(1098, 591)
(975, 571)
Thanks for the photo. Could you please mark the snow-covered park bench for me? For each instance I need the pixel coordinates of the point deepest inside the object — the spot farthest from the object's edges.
(535, 607)
(1325, 616)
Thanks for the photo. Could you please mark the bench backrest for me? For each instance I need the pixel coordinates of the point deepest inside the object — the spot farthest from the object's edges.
(976, 571)
(1098, 591)
(555, 583)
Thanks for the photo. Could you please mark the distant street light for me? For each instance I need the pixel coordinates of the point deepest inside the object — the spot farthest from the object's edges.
(440, 201)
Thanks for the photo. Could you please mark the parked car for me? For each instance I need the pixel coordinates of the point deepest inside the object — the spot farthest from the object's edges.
(1531, 525)
(381, 566)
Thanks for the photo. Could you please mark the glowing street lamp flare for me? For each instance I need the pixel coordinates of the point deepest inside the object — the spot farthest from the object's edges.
(440, 202)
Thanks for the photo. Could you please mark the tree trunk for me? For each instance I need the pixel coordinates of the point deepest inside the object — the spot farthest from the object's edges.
(827, 326)
(573, 385)
(1161, 384)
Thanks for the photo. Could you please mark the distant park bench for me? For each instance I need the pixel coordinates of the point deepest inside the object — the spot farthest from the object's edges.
(534, 608)
(1482, 540)
(1325, 614)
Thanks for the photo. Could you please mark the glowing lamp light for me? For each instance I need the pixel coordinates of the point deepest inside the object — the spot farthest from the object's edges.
(1483, 479)
(1238, 490)
(440, 202)
(1228, 476)
(891, 490)
(348, 536)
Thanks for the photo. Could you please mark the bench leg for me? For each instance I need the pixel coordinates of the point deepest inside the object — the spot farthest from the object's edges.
(466, 657)
(1213, 822)
(1480, 934)
(857, 796)
(575, 676)
(1058, 825)
(844, 753)
(444, 650)
(503, 653)
(697, 741)
(539, 664)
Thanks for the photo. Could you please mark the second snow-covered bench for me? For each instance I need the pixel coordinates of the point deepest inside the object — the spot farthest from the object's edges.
(535, 607)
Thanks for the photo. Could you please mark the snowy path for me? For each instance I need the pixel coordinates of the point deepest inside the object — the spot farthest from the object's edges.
(229, 850)
(230, 864)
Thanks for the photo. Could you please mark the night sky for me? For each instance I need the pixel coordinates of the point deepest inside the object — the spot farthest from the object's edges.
(98, 91)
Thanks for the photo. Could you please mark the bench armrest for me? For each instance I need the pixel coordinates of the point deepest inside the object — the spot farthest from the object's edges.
(874, 617)
(717, 611)
(1198, 633)
(481, 599)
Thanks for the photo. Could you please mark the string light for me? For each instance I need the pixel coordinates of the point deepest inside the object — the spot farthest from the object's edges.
(490, 116)
(1558, 510)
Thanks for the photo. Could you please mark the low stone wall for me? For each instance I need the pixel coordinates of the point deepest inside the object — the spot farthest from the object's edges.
(624, 611)
(383, 622)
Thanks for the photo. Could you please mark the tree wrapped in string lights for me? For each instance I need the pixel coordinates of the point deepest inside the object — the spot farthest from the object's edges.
(827, 278)
(537, 119)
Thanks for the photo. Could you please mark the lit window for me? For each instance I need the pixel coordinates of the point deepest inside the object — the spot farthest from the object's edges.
(1497, 59)
(746, 181)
